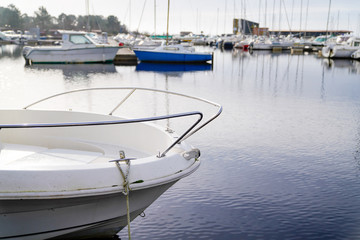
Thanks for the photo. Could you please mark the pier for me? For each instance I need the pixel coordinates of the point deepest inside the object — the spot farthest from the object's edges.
(125, 56)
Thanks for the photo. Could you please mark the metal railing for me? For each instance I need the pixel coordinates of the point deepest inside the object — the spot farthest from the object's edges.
(190, 131)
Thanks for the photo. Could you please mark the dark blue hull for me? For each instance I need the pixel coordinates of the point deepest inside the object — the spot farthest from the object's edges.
(152, 56)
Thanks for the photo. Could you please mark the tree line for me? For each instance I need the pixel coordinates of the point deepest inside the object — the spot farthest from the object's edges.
(12, 18)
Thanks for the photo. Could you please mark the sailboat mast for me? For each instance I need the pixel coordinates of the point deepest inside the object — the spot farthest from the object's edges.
(155, 18)
(88, 15)
(327, 23)
(307, 10)
(129, 15)
(279, 20)
(167, 27)
(301, 6)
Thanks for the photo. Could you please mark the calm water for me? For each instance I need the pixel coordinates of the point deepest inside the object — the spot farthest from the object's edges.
(281, 162)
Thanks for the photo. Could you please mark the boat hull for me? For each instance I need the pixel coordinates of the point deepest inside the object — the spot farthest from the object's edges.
(356, 54)
(152, 56)
(73, 218)
(78, 55)
(338, 51)
(261, 46)
(64, 174)
(62, 182)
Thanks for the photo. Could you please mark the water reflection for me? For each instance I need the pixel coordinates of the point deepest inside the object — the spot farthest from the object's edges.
(173, 69)
(11, 51)
(353, 66)
(74, 71)
(288, 142)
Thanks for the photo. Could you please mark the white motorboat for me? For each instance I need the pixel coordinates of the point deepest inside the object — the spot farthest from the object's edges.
(4, 37)
(76, 47)
(356, 54)
(344, 50)
(261, 43)
(282, 43)
(72, 174)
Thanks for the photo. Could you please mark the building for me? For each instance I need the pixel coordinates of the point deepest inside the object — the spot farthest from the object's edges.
(261, 31)
(309, 33)
(244, 26)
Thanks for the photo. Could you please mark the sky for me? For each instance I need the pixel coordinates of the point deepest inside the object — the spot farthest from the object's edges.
(209, 16)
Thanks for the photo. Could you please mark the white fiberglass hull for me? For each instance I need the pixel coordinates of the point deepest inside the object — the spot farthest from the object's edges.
(338, 51)
(98, 54)
(62, 183)
(261, 46)
(356, 54)
(86, 217)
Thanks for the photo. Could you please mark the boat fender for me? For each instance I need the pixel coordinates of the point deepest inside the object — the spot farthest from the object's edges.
(193, 153)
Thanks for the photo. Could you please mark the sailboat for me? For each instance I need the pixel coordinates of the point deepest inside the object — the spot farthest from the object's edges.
(175, 53)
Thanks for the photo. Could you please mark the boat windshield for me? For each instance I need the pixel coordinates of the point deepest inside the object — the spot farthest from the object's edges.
(79, 39)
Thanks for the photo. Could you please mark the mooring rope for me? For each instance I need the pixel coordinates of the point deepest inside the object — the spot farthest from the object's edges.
(126, 191)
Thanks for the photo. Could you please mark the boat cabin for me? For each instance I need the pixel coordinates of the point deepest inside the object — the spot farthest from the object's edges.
(354, 41)
(75, 38)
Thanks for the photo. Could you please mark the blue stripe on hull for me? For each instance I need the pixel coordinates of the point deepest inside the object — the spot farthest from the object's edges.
(147, 56)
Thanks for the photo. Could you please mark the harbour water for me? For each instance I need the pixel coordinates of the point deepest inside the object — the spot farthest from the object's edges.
(281, 162)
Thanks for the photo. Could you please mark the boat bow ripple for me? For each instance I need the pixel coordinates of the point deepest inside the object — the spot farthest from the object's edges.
(60, 171)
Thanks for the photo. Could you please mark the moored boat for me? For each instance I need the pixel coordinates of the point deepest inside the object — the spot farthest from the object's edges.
(344, 50)
(177, 53)
(74, 174)
(76, 47)
(356, 54)
(172, 53)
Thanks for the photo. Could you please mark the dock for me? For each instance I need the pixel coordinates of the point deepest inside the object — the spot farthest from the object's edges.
(125, 56)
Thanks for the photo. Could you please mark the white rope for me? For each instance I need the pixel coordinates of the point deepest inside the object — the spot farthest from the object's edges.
(126, 191)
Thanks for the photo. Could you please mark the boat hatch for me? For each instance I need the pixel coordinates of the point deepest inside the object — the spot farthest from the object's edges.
(171, 48)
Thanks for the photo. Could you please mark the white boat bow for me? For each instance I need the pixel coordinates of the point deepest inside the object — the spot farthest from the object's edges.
(63, 174)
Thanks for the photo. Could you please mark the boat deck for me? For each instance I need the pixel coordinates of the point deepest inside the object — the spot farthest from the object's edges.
(29, 157)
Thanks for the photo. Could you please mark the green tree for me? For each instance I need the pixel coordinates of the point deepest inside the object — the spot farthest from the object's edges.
(14, 17)
(112, 25)
(10, 17)
(96, 22)
(61, 20)
(81, 23)
(27, 21)
(43, 19)
(67, 22)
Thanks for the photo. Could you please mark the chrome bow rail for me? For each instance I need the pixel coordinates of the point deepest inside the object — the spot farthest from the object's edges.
(190, 131)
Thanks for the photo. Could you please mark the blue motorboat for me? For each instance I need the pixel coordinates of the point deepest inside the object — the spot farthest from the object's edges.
(177, 53)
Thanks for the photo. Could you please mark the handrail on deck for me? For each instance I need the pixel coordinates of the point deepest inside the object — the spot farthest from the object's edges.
(189, 132)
